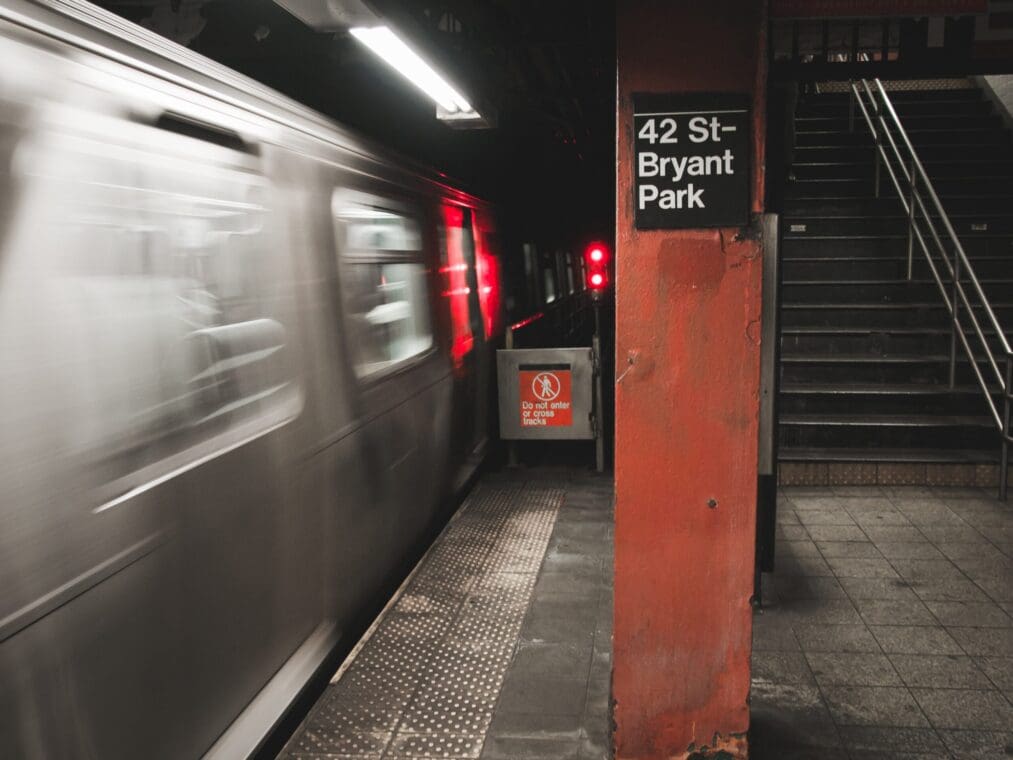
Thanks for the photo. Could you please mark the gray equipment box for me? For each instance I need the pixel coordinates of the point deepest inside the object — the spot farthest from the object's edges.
(545, 393)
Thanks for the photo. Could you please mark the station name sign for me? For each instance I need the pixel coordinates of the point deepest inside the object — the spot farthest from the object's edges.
(691, 160)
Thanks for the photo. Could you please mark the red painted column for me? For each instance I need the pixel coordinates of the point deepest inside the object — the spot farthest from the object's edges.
(687, 401)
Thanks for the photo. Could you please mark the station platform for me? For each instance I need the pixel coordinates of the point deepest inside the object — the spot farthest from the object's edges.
(498, 645)
(885, 632)
(886, 629)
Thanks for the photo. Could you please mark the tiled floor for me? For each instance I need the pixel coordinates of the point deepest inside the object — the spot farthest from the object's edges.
(499, 645)
(886, 630)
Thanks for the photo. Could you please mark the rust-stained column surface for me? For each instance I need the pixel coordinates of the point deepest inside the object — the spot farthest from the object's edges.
(687, 368)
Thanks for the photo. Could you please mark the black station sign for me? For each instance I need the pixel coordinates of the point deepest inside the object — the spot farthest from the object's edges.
(691, 160)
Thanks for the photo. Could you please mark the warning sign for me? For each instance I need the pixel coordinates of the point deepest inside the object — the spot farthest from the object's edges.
(545, 395)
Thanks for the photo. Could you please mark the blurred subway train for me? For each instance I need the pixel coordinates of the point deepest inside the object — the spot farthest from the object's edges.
(244, 358)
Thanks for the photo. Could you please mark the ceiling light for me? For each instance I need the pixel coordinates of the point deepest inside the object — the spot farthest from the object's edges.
(392, 49)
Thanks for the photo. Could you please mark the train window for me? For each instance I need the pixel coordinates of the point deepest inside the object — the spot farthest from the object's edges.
(383, 281)
(550, 285)
(157, 330)
(569, 275)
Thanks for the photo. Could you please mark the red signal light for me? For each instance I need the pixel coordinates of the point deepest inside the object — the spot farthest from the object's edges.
(596, 253)
(596, 280)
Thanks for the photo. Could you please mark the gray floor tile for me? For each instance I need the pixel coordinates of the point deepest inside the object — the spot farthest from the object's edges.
(821, 500)
(995, 642)
(970, 614)
(773, 635)
(859, 493)
(956, 590)
(552, 696)
(824, 517)
(898, 494)
(786, 514)
(962, 549)
(567, 583)
(850, 567)
(791, 533)
(537, 726)
(852, 669)
(512, 748)
(855, 549)
(939, 671)
(894, 755)
(958, 708)
(879, 518)
(998, 589)
(778, 750)
(829, 611)
(781, 667)
(873, 706)
(926, 570)
(797, 549)
(894, 612)
(786, 716)
(893, 533)
(999, 670)
(908, 550)
(802, 587)
(953, 534)
(902, 639)
(563, 660)
(559, 621)
(862, 739)
(814, 566)
(877, 588)
(978, 745)
(836, 533)
(835, 638)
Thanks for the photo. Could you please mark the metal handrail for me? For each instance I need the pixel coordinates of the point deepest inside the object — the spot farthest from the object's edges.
(909, 179)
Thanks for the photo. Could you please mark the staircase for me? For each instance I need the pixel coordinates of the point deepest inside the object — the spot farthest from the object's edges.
(864, 382)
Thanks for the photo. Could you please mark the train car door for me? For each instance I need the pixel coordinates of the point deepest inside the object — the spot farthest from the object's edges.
(387, 312)
(468, 350)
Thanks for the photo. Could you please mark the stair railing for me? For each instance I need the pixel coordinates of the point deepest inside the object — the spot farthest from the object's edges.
(958, 284)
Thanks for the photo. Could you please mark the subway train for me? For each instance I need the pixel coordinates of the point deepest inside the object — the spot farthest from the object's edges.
(244, 360)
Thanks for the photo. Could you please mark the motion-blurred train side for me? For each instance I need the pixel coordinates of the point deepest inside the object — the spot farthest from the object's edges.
(243, 361)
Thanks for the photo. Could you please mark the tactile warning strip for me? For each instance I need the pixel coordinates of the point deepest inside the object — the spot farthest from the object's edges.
(425, 681)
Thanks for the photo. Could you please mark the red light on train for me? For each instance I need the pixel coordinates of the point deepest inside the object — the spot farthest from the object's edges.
(596, 280)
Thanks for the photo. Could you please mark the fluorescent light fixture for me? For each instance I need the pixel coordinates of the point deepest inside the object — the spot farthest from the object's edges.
(391, 48)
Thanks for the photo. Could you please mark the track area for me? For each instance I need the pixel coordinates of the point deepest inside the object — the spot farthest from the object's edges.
(498, 644)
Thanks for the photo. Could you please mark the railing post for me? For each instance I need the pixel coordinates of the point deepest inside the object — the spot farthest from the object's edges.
(911, 221)
(851, 105)
(1004, 449)
(880, 126)
(954, 300)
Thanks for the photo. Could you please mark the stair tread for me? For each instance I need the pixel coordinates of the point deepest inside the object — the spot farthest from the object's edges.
(898, 282)
(869, 330)
(821, 358)
(882, 305)
(887, 420)
(944, 456)
(893, 389)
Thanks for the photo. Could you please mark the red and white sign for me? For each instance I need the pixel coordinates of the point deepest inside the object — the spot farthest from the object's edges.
(545, 396)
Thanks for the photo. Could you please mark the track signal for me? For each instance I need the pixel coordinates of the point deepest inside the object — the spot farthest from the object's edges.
(596, 256)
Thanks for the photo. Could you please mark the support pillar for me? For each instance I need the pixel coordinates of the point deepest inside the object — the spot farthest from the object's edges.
(687, 401)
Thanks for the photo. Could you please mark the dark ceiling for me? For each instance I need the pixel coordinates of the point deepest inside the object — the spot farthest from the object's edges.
(546, 70)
